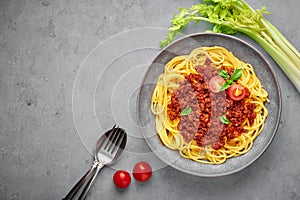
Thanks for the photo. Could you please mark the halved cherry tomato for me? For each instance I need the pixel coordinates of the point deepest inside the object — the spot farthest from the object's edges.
(122, 179)
(142, 171)
(236, 92)
(215, 84)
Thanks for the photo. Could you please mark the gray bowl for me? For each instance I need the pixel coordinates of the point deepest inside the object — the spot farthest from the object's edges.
(244, 52)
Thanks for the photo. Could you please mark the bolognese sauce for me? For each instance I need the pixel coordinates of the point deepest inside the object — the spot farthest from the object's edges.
(203, 123)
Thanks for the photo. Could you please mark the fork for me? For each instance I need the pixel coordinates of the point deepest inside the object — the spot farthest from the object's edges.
(107, 150)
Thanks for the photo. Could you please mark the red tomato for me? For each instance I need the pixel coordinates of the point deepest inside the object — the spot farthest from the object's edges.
(122, 179)
(216, 83)
(142, 171)
(236, 92)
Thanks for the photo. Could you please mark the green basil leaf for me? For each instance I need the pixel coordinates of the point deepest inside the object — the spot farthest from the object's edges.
(230, 82)
(237, 74)
(225, 86)
(224, 120)
(186, 111)
(223, 74)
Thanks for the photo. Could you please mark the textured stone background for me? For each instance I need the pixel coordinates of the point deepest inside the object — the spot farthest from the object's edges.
(42, 46)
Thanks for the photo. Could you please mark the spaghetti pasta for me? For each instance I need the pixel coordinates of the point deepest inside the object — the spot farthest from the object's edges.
(200, 135)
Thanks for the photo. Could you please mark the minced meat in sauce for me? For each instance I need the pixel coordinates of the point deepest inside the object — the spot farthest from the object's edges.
(203, 124)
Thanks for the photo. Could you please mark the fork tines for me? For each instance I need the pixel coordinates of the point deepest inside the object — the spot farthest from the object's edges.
(114, 139)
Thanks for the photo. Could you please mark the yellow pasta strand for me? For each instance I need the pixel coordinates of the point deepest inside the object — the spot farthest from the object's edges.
(169, 81)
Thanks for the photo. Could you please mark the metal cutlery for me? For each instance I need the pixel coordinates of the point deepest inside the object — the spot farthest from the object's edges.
(107, 150)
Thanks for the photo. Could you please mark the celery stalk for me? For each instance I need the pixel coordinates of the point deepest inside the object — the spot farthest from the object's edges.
(232, 16)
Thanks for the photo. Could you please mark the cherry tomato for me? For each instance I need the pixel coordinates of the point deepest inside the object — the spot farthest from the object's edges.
(216, 83)
(236, 92)
(142, 171)
(122, 179)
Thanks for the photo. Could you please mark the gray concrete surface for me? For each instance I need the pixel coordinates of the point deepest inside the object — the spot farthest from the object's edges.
(57, 58)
